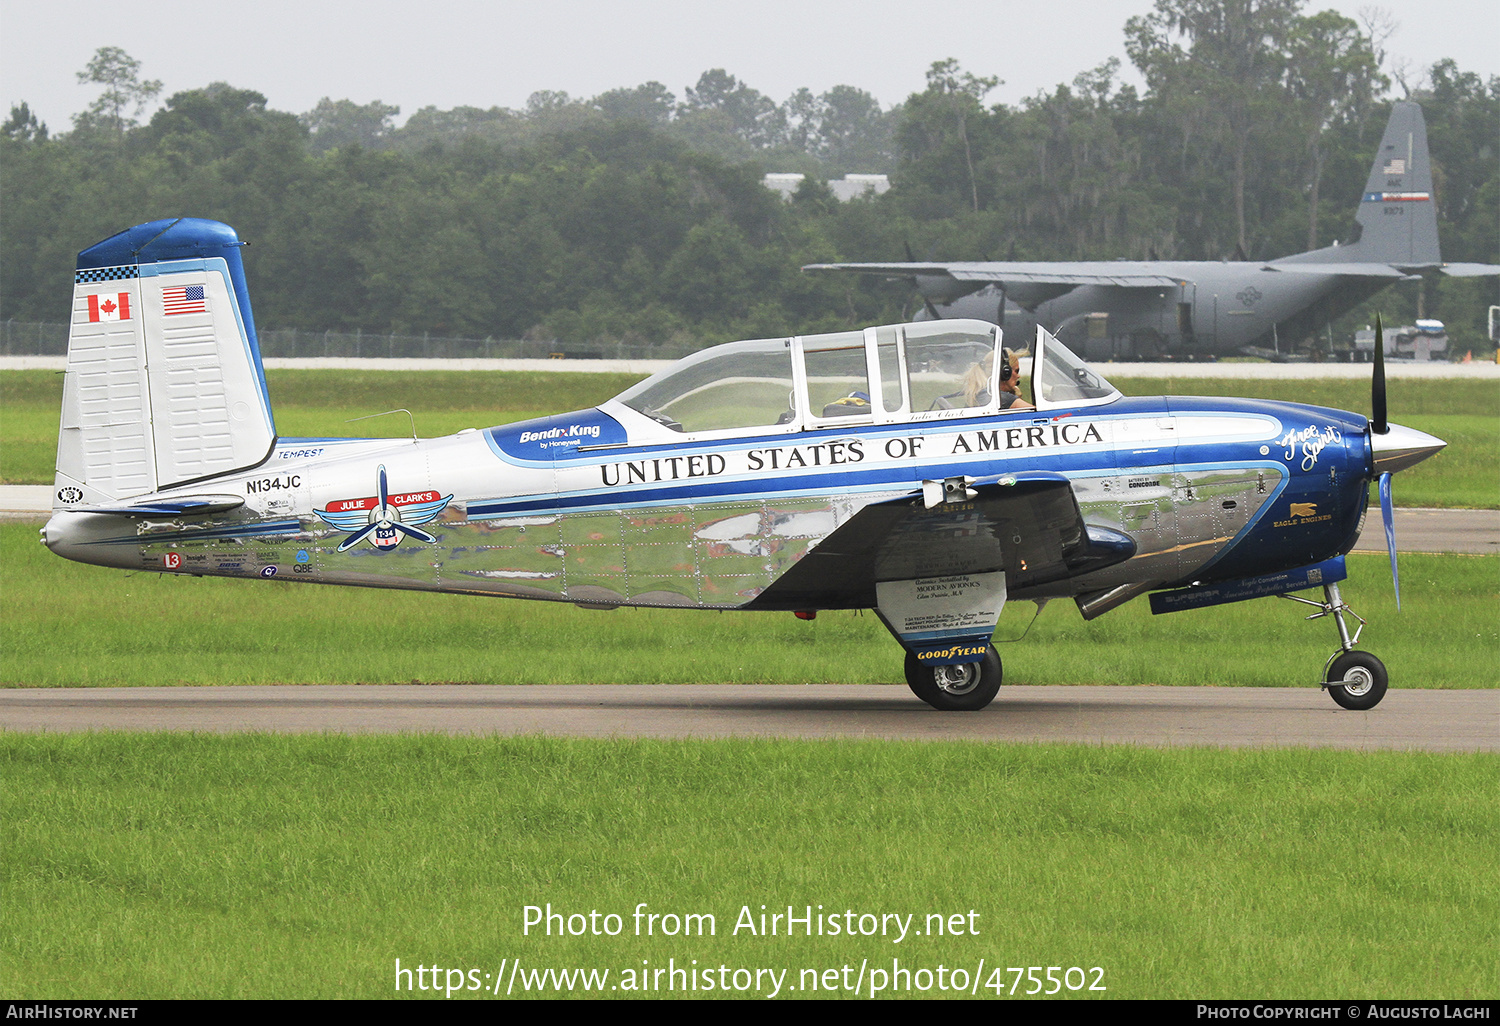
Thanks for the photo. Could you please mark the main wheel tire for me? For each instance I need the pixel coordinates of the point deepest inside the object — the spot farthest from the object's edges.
(963, 688)
(1363, 679)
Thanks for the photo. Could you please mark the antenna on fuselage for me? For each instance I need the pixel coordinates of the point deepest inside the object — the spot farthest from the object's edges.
(387, 413)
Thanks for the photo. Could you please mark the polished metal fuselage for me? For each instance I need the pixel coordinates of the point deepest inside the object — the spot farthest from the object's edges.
(713, 523)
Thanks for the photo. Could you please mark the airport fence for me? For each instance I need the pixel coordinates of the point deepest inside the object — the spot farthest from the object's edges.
(42, 338)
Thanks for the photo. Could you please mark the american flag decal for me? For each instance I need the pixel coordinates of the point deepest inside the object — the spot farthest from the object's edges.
(1395, 166)
(183, 299)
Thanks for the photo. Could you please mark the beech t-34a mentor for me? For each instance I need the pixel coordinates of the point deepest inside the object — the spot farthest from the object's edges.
(889, 468)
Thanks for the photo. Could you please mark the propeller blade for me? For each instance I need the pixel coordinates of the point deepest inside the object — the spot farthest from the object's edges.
(414, 532)
(1388, 516)
(1378, 422)
(384, 491)
(357, 537)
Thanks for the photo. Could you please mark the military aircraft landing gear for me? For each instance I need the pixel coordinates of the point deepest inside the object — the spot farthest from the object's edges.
(1355, 680)
(964, 688)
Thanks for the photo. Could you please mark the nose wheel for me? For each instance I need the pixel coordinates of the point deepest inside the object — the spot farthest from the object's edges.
(966, 687)
(1353, 679)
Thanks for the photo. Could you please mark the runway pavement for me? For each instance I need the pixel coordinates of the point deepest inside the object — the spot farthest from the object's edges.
(1431, 721)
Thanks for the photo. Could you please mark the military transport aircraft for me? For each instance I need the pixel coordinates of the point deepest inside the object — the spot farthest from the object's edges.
(890, 468)
(1126, 309)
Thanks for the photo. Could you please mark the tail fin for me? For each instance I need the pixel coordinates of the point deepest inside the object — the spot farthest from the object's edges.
(164, 383)
(1397, 216)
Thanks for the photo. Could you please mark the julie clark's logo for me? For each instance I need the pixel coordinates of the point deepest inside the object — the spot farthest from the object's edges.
(384, 518)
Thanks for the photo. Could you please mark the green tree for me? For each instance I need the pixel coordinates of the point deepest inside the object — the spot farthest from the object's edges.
(936, 125)
(125, 97)
(334, 123)
(720, 98)
(1333, 77)
(651, 102)
(22, 125)
(1218, 66)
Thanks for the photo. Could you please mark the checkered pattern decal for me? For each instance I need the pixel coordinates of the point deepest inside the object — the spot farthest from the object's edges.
(106, 274)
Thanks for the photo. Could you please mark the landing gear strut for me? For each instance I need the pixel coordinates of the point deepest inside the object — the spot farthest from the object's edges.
(1355, 680)
(966, 687)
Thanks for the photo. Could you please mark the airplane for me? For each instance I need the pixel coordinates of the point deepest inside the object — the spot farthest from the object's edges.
(1150, 309)
(892, 468)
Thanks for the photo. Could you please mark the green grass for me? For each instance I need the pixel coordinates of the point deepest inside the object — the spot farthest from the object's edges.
(319, 403)
(161, 866)
(69, 625)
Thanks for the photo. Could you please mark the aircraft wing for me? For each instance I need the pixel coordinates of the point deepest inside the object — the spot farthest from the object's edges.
(1029, 284)
(1082, 273)
(1351, 270)
(1027, 525)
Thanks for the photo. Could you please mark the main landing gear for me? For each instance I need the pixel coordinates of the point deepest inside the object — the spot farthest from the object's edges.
(966, 687)
(1355, 680)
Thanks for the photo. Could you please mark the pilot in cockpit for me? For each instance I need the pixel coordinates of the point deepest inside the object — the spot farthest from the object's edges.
(976, 385)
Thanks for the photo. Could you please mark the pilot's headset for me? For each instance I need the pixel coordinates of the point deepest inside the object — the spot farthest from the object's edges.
(1010, 366)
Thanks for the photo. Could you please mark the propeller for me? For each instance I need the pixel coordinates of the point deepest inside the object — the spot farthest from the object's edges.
(1380, 425)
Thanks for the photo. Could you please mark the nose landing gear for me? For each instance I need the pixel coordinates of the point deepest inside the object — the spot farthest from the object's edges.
(1353, 679)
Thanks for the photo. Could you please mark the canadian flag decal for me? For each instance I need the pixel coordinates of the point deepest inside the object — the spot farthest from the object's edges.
(110, 308)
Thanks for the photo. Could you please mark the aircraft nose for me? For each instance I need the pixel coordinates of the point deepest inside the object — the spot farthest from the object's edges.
(1402, 447)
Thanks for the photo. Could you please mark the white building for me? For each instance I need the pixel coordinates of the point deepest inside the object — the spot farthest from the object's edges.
(844, 189)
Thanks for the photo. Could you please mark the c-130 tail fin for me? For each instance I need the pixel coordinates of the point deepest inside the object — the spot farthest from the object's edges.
(1397, 216)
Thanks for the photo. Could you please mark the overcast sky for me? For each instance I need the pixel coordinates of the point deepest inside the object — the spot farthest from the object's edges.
(488, 53)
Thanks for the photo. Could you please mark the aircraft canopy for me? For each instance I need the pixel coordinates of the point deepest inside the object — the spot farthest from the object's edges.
(893, 373)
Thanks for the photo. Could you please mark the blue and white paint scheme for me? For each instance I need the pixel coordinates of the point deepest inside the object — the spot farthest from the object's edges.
(890, 468)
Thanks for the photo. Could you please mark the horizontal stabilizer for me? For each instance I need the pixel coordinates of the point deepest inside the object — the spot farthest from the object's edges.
(1470, 270)
(181, 506)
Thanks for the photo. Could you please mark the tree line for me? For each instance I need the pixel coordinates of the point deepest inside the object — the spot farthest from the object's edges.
(640, 216)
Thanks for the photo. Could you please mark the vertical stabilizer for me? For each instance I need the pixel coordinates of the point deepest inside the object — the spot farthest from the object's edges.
(164, 383)
(1397, 215)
